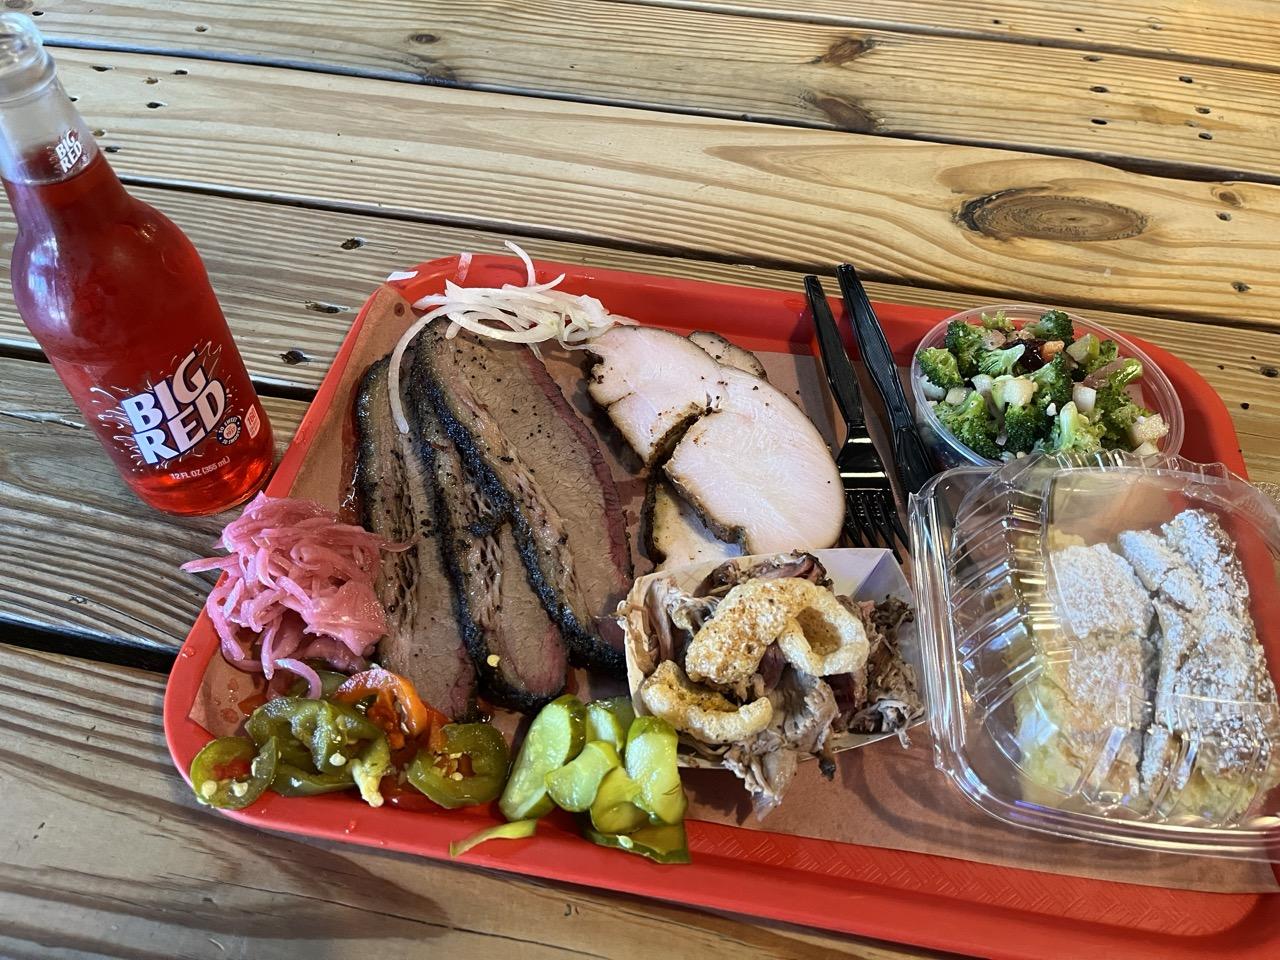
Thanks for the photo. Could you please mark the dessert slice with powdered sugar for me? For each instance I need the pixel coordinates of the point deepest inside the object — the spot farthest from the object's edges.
(1081, 721)
(1210, 749)
(1178, 600)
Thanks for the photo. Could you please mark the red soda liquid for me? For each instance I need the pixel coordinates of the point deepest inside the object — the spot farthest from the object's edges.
(120, 302)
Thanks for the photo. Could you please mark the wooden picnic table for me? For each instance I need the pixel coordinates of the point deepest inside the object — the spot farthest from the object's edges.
(1121, 159)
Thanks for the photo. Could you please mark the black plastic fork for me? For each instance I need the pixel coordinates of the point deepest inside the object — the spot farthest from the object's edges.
(871, 517)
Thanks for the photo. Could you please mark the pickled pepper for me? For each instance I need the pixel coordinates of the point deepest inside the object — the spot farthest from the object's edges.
(440, 773)
(230, 773)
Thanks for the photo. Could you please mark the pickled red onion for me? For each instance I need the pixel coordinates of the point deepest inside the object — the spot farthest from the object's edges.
(298, 584)
(314, 685)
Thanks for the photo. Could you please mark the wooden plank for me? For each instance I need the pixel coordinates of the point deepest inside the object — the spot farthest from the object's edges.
(1231, 32)
(78, 551)
(273, 266)
(107, 853)
(944, 216)
(1126, 109)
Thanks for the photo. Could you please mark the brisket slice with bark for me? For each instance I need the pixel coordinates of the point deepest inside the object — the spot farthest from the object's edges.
(526, 446)
(515, 646)
(398, 501)
(564, 459)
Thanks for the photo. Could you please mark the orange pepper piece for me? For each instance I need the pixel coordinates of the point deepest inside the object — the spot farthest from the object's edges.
(396, 708)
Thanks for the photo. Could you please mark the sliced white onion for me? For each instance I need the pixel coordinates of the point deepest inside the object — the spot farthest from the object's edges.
(524, 257)
(393, 375)
(529, 314)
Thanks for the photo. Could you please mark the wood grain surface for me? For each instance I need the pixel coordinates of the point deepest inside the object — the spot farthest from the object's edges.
(83, 764)
(1217, 31)
(78, 552)
(1133, 110)
(982, 221)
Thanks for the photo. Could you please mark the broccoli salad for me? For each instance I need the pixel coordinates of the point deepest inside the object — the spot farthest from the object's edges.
(1006, 392)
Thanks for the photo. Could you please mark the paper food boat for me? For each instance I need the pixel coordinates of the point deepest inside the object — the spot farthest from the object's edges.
(858, 573)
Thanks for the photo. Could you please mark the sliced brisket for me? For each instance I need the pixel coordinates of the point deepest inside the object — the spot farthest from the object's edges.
(564, 459)
(524, 443)
(515, 646)
(398, 501)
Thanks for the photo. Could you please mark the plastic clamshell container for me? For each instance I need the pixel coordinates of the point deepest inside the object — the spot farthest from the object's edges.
(1153, 390)
(1050, 704)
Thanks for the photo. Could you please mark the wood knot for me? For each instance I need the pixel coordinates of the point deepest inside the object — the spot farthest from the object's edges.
(1229, 198)
(437, 73)
(845, 113)
(319, 306)
(1027, 213)
(423, 38)
(845, 49)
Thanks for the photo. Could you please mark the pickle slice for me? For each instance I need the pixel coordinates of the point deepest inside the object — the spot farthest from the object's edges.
(662, 844)
(613, 810)
(555, 737)
(609, 720)
(651, 763)
(574, 786)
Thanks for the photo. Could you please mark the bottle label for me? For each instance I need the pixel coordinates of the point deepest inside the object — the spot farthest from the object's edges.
(69, 151)
(252, 422)
(175, 415)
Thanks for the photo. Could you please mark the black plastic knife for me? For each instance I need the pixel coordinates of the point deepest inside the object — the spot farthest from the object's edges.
(911, 457)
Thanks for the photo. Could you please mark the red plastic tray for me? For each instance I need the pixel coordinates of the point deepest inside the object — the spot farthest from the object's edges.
(928, 901)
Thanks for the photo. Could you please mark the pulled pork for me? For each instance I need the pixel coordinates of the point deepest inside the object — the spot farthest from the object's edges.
(799, 565)
(804, 714)
(887, 697)
(671, 618)
(807, 710)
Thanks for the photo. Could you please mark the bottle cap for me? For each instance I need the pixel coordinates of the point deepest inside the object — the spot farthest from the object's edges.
(25, 67)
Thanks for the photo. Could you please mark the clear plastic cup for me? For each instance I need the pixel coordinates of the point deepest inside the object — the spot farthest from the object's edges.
(1153, 390)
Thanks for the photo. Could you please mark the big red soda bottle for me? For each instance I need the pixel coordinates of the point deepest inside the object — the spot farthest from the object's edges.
(120, 302)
